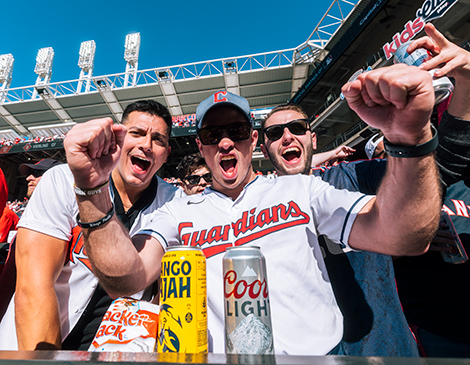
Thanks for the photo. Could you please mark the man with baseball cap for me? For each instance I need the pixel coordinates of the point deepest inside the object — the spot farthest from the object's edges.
(34, 172)
(282, 216)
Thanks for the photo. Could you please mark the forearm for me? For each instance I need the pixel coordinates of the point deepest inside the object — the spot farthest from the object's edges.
(37, 319)
(114, 257)
(406, 211)
(459, 106)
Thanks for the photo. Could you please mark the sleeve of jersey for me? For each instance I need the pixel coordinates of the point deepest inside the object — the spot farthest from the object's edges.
(52, 208)
(3, 192)
(161, 225)
(335, 210)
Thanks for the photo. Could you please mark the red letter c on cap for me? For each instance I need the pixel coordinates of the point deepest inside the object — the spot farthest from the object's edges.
(220, 98)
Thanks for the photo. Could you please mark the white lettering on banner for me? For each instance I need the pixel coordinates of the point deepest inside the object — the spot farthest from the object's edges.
(431, 9)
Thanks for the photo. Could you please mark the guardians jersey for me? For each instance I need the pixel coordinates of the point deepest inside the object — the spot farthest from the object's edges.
(284, 217)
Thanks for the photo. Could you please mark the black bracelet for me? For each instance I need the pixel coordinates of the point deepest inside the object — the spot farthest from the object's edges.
(97, 223)
(413, 151)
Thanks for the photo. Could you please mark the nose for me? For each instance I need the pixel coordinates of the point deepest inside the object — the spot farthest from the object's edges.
(226, 142)
(287, 135)
(30, 178)
(146, 143)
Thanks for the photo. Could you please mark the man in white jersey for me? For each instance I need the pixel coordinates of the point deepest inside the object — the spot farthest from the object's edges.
(283, 216)
(57, 302)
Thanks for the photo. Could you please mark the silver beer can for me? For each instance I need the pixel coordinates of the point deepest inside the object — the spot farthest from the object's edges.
(443, 87)
(248, 328)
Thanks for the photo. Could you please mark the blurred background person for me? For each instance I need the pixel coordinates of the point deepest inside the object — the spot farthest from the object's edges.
(193, 174)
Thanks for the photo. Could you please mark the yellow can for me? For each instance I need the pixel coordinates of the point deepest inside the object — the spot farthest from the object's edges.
(183, 301)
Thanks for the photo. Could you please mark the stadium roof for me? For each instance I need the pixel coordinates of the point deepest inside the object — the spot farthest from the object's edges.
(265, 79)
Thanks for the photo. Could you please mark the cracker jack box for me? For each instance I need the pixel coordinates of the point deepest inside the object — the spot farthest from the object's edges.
(128, 326)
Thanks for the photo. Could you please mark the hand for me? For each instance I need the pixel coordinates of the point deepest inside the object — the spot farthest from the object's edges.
(93, 150)
(398, 100)
(451, 59)
(343, 152)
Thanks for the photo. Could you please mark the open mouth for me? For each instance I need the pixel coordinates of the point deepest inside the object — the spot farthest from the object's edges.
(229, 165)
(291, 154)
(140, 164)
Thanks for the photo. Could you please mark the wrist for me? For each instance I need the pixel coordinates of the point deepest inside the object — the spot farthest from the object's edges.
(90, 192)
(409, 151)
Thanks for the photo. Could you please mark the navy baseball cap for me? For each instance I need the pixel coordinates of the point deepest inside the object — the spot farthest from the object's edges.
(43, 165)
(222, 97)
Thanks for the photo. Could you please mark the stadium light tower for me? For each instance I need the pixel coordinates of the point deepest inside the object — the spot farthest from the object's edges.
(6, 70)
(43, 68)
(86, 62)
(131, 55)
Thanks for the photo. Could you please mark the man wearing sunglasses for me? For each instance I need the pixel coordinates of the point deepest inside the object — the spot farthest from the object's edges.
(34, 172)
(363, 282)
(283, 216)
(193, 174)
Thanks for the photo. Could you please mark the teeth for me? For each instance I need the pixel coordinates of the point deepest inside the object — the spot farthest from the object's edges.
(291, 149)
(226, 158)
(140, 158)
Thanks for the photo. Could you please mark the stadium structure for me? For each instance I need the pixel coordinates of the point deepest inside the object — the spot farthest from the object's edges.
(352, 35)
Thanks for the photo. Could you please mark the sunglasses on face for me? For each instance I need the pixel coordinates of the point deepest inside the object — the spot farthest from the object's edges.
(37, 173)
(195, 179)
(238, 131)
(298, 127)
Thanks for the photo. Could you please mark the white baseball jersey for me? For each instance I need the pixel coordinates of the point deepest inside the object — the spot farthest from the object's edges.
(284, 217)
(52, 210)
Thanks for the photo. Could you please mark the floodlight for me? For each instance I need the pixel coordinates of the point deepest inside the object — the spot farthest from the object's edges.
(87, 55)
(132, 47)
(6, 67)
(44, 61)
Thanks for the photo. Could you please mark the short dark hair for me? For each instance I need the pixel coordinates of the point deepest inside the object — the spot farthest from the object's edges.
(151, 107)
(294, 107)
(189, 164)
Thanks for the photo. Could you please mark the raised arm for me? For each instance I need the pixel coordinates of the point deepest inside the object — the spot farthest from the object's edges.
(404, 216)
(340, 152)
(123, 267)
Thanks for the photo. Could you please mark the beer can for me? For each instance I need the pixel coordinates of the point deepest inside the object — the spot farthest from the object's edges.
(248, 328)
(183, 301)
(443, 87)
(457, 254)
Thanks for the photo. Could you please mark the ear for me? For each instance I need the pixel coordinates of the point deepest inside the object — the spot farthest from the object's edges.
(265, 151)
(314, 141)
(199, 145)
(254, 138)
(168, 153)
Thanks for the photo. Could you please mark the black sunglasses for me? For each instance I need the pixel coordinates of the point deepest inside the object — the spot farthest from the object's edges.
(194, 179)
(297, 127)
(37, 173)
(238, 131)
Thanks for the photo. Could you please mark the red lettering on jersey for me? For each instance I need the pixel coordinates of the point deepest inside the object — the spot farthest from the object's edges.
(460, 208)
(267, 221)
(220, 96)
(77, 248)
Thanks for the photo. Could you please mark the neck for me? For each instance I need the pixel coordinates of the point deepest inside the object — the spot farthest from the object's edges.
(234, 192)
(129, 193)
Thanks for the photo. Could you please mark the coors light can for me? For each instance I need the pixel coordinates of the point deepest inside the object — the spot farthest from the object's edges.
(248, 327)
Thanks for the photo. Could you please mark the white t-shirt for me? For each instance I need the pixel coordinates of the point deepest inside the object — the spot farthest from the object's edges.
(52, 210)
(284, 217)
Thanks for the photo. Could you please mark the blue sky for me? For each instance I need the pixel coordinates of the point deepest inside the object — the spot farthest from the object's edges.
(172, 33)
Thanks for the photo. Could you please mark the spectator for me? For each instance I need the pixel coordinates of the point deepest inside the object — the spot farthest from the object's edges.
(57, 301)
(194, 174)
(8, 222)
(34, 172)
(243, 203)
(363, 282)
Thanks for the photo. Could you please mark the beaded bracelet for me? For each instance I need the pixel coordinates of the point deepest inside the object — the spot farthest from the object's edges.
(413, 151)
(97, 223)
